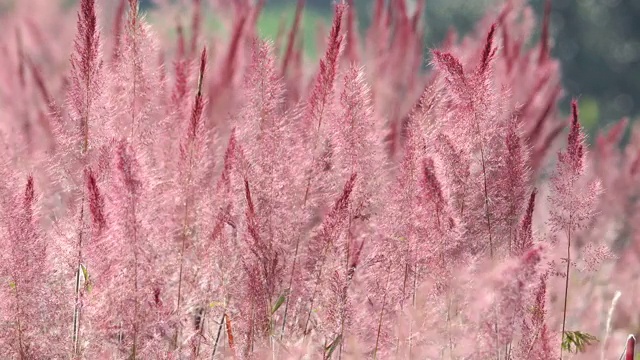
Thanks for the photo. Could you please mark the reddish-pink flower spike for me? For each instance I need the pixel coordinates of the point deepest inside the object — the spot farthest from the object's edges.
(512, 296)
(86, 96)
(29, 195)
(331, 226)
(456, 171)
(537, 341)
(292, 37)
(96, 202)
(87, 42)
(192, 173)
(477, 122)
(223, 187)
(229, 66)
(540, 312)
(251, 213)
(224, 183)
(54, 109)
(131, 243)
(179, 92)
(352, 39)
(630, 348)
(489, 51)
(117, 29)
(615, 134)
(136, 78)
(320, 246)
(262, 119)
(196, 24)
(450, 63)
(198, 107)
(575, 147)
(525, 235)
(127, 165)
(513, 182)
(180, 47)
(572, 200)
(261, 130)
(266, 251)
(608, 152)
(337, 214)
(324, 82)
(432, 191)
(544, 37)
(355, 132)
(24, 265)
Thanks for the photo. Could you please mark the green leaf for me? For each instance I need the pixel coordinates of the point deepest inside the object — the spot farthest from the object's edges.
(333, 346)
(13, 285)
(576, 341)
(87, 282)
(216, 304)
(278, 303)
(85, 273)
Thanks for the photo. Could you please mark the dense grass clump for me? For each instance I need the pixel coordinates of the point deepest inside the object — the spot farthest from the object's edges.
(182, 194)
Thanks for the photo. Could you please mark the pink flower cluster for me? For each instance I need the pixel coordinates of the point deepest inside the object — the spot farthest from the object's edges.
(177, 193)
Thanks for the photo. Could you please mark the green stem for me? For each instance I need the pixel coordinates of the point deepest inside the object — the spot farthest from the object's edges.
(384, 303)
(566, 288)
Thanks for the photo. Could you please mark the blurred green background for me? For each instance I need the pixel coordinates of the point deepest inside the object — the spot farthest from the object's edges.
(597, 41)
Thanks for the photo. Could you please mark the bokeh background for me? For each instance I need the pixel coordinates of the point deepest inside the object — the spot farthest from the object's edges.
(597, 41)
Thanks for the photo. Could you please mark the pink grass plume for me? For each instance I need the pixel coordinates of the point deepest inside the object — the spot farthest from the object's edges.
(629, 349)
(292, 37)
(544, 41)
